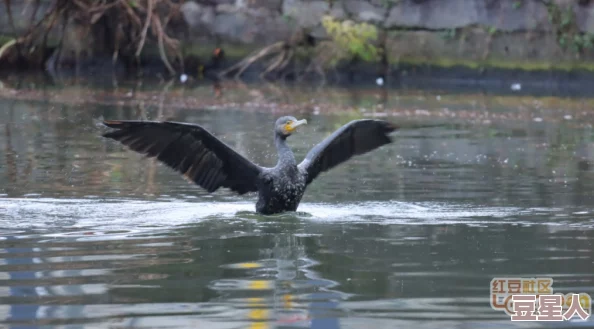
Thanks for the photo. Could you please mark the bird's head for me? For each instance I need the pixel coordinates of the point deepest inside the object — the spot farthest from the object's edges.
(285, 126)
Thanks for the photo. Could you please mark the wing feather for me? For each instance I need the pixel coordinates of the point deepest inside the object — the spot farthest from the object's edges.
(354, 138)
(190, 150)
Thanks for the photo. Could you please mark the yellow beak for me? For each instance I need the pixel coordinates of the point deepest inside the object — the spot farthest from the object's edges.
(293, 125)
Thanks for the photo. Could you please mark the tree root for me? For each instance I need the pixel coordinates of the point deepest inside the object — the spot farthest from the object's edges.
(314, 66)
(282, 60)
(134, 20)
(279, 56)
(11, 23)
(6, 46)
(145, 28)
(246, 62)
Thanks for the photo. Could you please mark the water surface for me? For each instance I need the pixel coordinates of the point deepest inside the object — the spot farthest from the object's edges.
(95, 236)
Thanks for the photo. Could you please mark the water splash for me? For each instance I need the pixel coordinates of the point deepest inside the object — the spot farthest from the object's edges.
(135, 215)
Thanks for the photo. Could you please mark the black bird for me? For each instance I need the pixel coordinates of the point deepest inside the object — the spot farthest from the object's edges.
(210, 163)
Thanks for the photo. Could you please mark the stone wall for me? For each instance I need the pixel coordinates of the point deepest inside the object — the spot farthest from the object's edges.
(443, 32)
(248, 21)
(505, 33)
(508, 33)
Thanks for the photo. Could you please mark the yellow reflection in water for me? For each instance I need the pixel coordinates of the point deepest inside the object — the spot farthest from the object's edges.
(256, 302)
(260, 285)
(246, 265)
(287, 301)
(259, 325)
(259, 314)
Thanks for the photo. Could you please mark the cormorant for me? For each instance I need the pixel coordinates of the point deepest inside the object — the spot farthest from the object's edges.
(205, 160)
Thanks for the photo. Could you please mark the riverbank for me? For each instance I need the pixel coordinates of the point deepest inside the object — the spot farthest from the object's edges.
(350, 41)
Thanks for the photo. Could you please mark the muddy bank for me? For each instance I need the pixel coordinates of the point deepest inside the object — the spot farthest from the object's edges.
(436, 79)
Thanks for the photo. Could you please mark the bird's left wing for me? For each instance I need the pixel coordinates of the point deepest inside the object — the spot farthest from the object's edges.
(191, 150)
(354, 138)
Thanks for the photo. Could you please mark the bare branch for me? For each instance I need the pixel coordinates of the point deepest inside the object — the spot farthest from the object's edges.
(145, 28)
(11, 22)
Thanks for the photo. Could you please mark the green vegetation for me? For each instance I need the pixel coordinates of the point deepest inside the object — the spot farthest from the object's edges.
(4, 39)
(527, 65)
(448, 34)
(204, 50)
(390, 3)
(354, 39)
(566, 29)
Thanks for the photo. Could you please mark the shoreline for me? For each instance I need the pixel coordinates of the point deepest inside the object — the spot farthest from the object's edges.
(455, 79)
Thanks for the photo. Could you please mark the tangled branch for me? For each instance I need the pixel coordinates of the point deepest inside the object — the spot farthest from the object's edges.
(280, 55)
(134, 20)
(276, 48)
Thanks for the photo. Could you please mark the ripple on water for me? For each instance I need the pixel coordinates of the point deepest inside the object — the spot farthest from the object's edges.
(110, 217)
(67, 263)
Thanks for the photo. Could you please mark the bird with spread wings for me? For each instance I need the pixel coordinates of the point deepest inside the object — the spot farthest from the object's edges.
(210, 163)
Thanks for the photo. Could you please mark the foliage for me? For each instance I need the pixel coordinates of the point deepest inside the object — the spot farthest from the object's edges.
(354, 39)
(390, 3)
(448, 34)
(567, 32)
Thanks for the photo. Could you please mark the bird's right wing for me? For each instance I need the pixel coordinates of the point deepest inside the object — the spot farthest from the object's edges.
(354, 138)
(191, 150)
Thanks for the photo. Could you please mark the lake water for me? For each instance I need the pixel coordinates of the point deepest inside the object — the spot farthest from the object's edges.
(409, 236)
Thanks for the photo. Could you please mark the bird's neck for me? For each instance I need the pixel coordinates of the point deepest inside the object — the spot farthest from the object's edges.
(285, 155)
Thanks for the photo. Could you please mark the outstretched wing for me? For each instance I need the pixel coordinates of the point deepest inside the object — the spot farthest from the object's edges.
(189, 149)
(354, 138)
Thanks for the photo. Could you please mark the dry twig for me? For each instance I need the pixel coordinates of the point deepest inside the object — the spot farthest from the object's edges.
(245, 63)
(133, 23)
(145, 28)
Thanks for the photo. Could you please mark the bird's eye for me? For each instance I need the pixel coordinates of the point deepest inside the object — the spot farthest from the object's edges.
(288, 126)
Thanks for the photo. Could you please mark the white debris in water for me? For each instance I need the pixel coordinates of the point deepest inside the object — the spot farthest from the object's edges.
(438, 97)
(567, 117)
(379, 81)
(537, 119)
(516, 86)
(183, 78)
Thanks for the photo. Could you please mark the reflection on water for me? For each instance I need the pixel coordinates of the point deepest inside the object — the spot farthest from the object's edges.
(410, 235)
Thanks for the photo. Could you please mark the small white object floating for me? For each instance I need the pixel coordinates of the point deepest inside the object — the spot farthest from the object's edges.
(379, 81)
(516, 86)
(183, 78)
